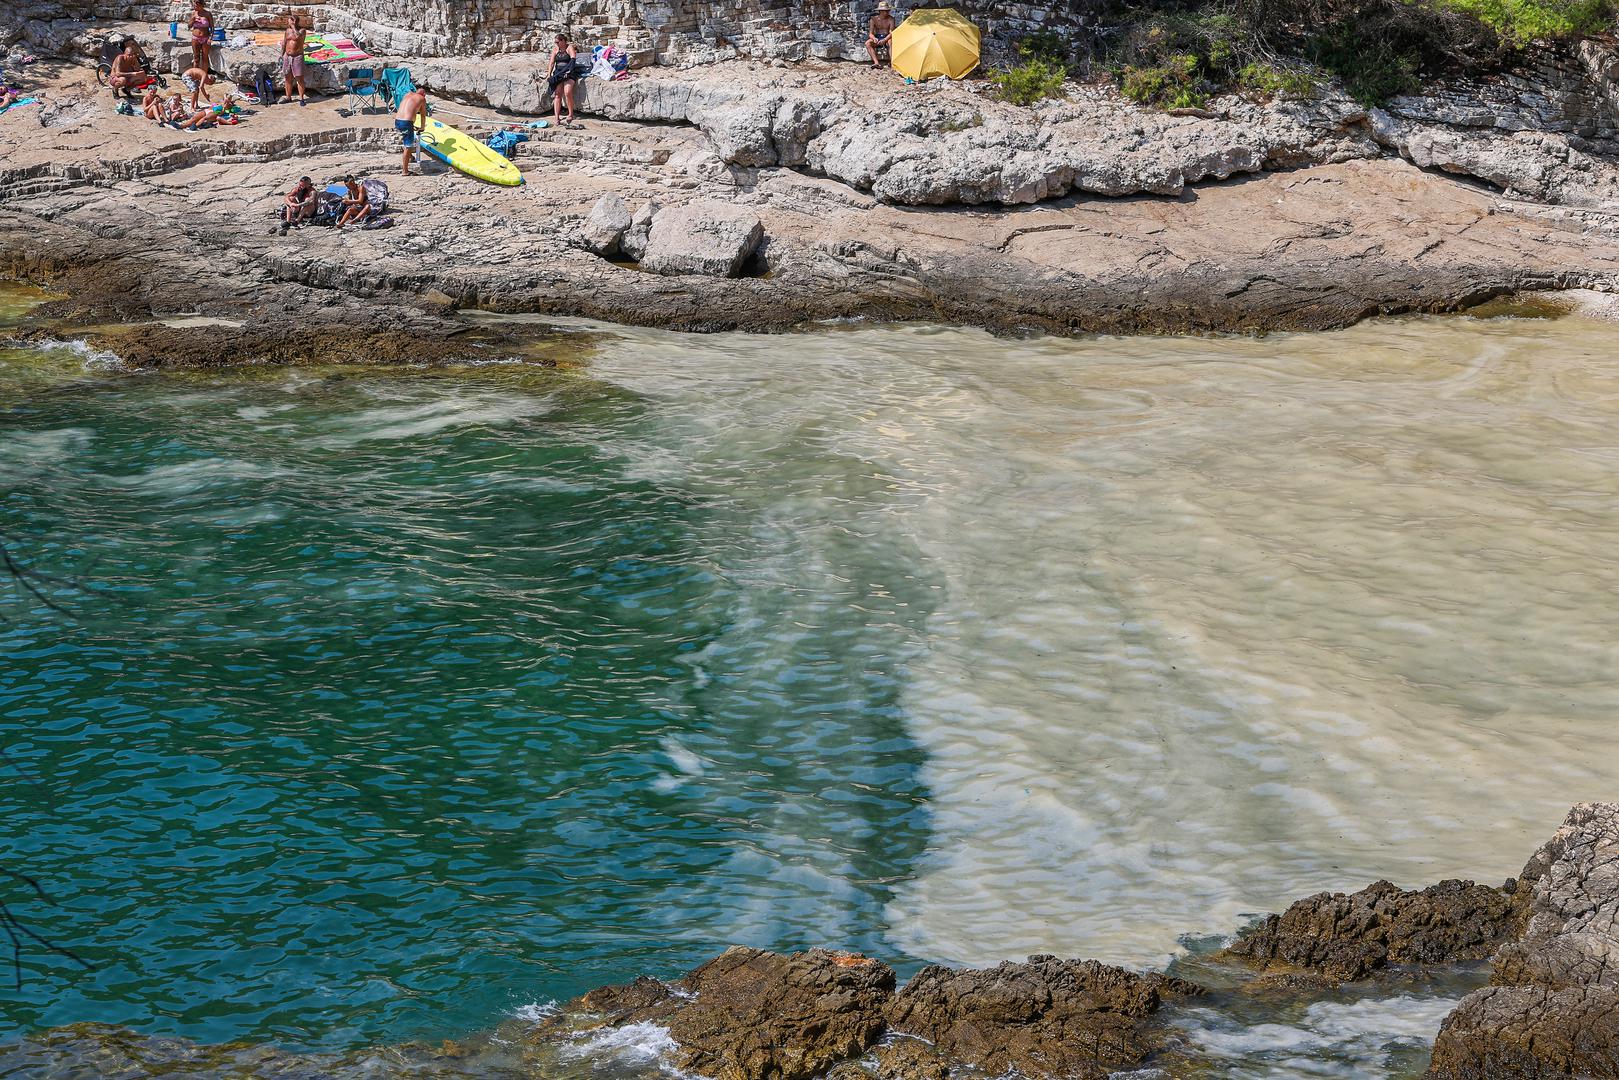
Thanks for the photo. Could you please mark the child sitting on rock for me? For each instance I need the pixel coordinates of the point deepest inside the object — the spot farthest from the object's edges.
(153, 106)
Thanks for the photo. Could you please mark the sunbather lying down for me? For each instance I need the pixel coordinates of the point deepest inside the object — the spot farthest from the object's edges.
(186, 118)
(8, 94)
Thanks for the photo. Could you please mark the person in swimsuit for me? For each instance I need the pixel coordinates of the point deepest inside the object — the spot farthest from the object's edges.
(202, 33)
(299, 205)
(188, 119)
(292, 56)
(881, 32)
(196, 80)
(355, 203)
(127, 74)
(410, 119)
(152, 106)
(563, 78)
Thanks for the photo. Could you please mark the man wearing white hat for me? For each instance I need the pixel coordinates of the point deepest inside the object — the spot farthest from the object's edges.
(882, 30)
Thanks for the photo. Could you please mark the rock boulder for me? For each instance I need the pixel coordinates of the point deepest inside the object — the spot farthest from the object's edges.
(1572, 937)
(749, 1014)
(1045, 1018)
(1530, 1033)
(609, 220)
(1349, 936)
(1554, 1012)
(703, 237)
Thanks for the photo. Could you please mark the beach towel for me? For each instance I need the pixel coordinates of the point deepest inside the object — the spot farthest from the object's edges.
(270, 40)
(332, 49)
(19, 103)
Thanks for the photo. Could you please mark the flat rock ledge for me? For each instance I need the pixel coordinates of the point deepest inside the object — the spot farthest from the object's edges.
(749, 197)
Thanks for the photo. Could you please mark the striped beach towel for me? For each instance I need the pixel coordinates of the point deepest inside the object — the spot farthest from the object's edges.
(332, 49)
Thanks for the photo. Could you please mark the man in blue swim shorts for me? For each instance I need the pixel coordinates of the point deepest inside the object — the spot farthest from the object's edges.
(410, 119)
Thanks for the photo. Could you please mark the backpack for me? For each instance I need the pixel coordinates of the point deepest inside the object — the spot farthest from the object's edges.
(264, 86)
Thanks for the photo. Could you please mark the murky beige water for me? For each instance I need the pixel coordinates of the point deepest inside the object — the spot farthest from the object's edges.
(1224, 622)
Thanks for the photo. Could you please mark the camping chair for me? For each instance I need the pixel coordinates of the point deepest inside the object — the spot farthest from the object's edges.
(363, 88)
(396, 83)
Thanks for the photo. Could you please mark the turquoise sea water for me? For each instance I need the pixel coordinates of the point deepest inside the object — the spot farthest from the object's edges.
(387, 704)
(383, 704)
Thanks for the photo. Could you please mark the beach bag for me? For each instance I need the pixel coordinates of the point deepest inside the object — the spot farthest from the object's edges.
(376, 194)
(264, 86)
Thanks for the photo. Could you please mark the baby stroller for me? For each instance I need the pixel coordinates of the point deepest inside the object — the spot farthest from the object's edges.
(109, 52)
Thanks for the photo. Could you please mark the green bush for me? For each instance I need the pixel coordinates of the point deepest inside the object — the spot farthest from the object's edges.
(1272, 81)
(1173, 84)
(1031, 81)
(1175, 53)
(1523, 22)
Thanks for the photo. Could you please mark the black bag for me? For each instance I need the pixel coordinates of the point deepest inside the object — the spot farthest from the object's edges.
(264, 87)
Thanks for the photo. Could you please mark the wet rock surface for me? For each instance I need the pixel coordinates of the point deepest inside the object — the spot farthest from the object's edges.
(1530, 1033)
(755, 1015)
(1044, 1018)
(1349, 936)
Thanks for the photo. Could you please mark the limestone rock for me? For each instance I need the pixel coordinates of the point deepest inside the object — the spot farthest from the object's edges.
(1350, 936)
(1045, 1018)
(1530, 1033)
(1554, 1012)
(1572, 939)
(755, 1015)
(608, 221)
(703, 237)
(633, 242)
(1532, 164)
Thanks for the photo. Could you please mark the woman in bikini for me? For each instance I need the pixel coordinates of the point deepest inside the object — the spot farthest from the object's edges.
(563, 78)
(202, 33)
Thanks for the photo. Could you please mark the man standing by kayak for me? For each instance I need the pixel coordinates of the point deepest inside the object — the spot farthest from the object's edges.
(292, 56)
(411, 119)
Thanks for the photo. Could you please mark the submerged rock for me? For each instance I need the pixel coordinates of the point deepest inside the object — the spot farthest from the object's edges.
(749, 1014)
(1348, 936)
(1045, 1018)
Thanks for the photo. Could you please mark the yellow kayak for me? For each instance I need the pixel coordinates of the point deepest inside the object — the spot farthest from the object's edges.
(461, 151)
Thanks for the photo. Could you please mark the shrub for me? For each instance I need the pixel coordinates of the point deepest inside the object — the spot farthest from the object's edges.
(1262, 78)
(1523, 22)
(1031, 81)
(1171, 85)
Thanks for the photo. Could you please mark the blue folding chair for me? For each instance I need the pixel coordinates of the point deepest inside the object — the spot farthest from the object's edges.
(396, 83)
(363, 89)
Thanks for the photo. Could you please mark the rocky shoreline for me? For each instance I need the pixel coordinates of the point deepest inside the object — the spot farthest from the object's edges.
(1550, 1011)
(1551, 937)
(768, 197)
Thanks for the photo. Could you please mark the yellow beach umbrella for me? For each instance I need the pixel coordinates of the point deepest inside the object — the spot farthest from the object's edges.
(934, 42)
